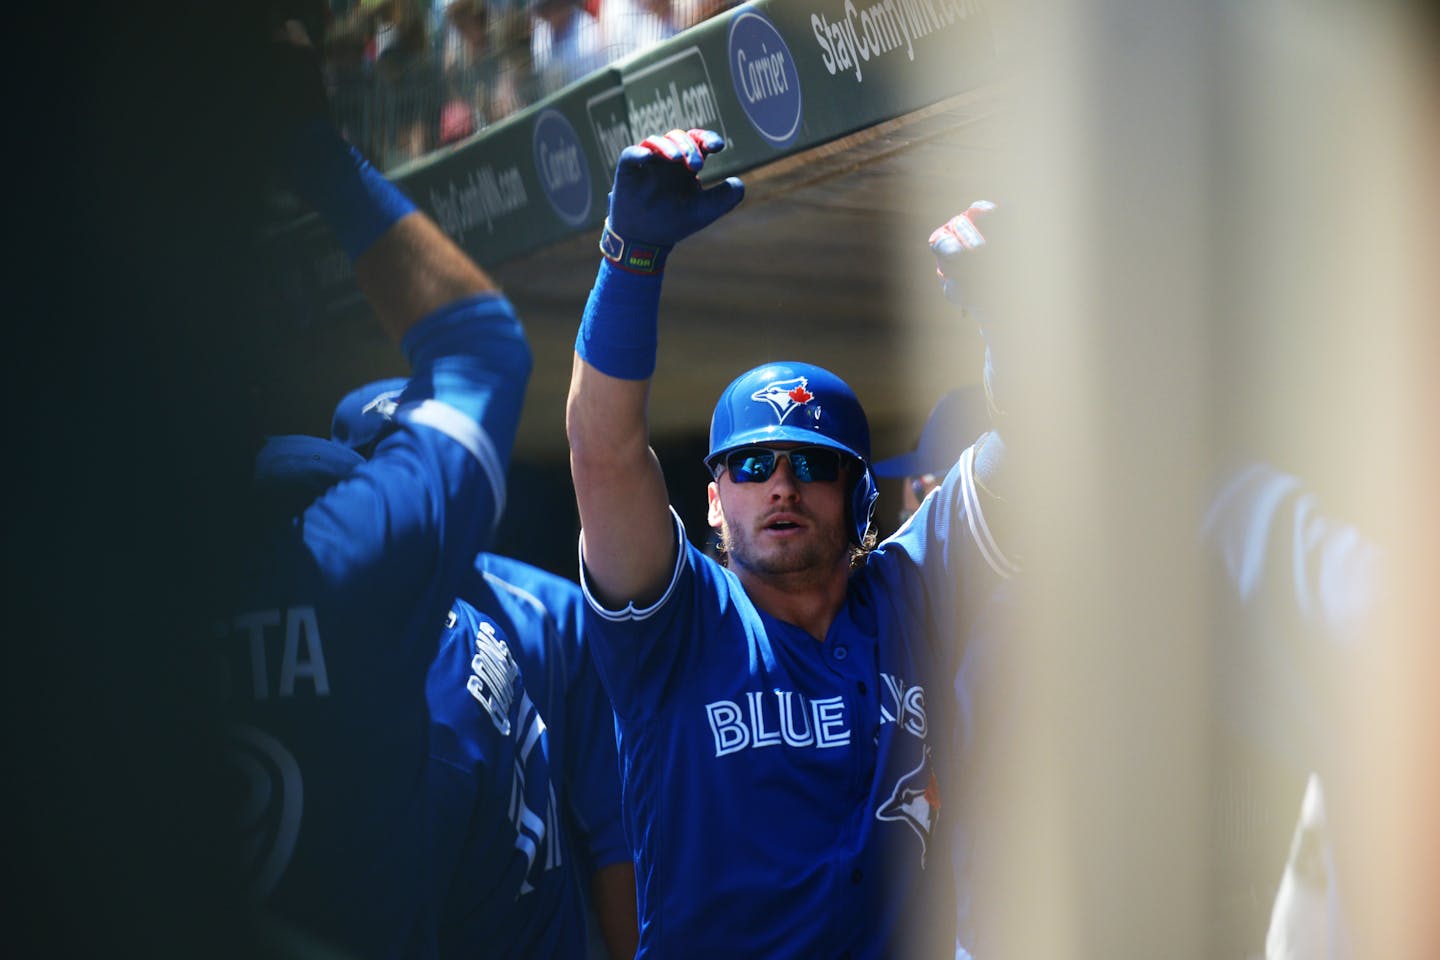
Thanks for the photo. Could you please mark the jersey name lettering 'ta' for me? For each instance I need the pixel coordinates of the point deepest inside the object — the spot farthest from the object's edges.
(302, 658)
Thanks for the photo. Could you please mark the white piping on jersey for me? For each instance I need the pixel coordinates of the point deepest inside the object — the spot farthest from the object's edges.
(525, 596)
(469, 434)
(630, 611)
(975, 517)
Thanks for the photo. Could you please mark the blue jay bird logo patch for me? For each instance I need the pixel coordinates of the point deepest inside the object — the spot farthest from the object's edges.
(784, 396)
(383, 404)
(916, 801)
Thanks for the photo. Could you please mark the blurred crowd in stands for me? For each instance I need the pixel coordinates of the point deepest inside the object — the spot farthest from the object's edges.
(410, 76)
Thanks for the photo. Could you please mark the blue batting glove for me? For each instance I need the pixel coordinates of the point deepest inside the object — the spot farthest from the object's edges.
(657, 199)
(949, 243)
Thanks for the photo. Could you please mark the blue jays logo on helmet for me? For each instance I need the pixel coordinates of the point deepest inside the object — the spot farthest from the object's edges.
(788, 401)
(785, 395)
(384, 403)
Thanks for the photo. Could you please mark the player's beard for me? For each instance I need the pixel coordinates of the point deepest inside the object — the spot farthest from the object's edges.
(820, 551)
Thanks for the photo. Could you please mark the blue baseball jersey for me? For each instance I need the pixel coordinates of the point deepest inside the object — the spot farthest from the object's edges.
(326, 659)
(545, 614)
(501, 869)
(782, 795)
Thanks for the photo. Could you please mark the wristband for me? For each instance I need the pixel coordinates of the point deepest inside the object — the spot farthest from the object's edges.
(632, 256)
(358, 201)
(618, 334)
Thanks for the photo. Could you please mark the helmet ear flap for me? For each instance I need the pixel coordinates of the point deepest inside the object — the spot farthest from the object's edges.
(863, 495)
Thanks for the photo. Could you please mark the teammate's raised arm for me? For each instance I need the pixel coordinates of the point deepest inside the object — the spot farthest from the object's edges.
(405, 265)
(352, 567)
(657, 200)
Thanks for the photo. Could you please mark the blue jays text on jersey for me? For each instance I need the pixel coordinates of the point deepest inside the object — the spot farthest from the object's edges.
(785, 717)
(783, 795)
(336, 630)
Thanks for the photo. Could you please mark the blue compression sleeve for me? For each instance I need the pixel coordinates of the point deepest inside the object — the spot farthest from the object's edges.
(356, 200)
(619, 332)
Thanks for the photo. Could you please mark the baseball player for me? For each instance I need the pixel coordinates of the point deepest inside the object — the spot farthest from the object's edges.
(542, 615)
(779, 717)
(501, 874)
(335, 629)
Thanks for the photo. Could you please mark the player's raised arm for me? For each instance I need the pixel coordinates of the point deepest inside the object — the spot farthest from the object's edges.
(657, 200)
(468, 353)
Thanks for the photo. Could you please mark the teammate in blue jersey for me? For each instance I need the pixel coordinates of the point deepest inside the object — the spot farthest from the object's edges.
(781, 717)
(501, 878)
(503, 884)
(547, 613)
(542, 614)
(335, 629)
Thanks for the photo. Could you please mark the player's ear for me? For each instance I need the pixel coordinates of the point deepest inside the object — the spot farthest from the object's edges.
(714, 515)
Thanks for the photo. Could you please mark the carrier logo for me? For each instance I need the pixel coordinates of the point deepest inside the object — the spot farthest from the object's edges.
(560, 161)
(271, 798)
(766, 81)
(785, 396)
(916, 801)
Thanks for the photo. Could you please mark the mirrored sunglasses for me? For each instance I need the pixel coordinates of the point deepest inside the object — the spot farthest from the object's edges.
(809, 464)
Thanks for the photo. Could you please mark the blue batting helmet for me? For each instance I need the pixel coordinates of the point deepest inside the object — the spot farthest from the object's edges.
(291, 470)
(803, 403)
